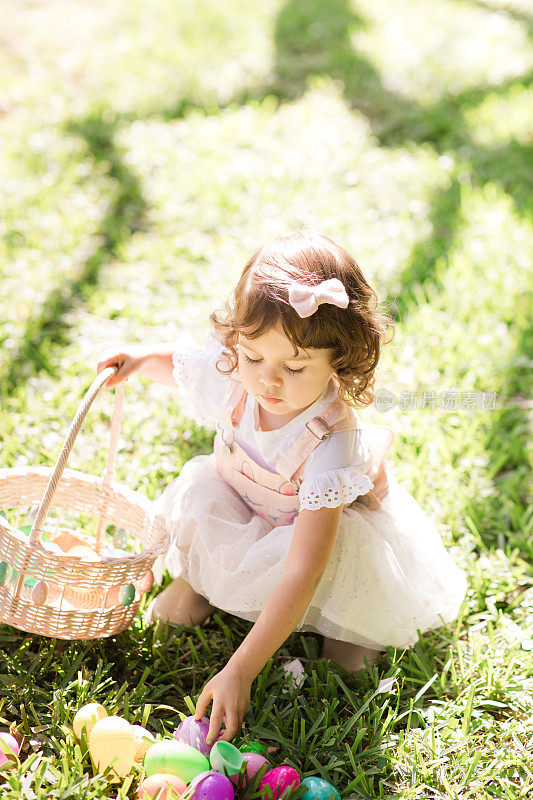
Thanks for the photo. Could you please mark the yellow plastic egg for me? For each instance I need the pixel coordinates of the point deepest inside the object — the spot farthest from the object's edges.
(113, 740)
(86, 717)
(141, 743)
(82, 551)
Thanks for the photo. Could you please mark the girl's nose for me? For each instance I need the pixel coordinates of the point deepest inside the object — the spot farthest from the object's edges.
(270, 378)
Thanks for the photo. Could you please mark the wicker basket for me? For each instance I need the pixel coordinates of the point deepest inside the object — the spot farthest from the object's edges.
(48, 591)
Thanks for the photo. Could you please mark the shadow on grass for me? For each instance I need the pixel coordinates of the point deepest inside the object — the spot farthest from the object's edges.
(49, 327)
(316, 39)
(311, 38)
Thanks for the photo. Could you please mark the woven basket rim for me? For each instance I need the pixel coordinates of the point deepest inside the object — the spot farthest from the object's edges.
(119, 490)
(116, 487)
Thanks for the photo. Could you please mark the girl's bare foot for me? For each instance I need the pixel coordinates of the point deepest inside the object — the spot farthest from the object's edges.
(348, 655)
(179, 604)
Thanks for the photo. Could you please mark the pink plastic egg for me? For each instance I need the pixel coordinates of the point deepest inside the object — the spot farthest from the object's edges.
(171, 787)
(195, 732)
(278, 779)
(9, 747)
(212, 785)
(254, 762)
(39, 593)
(147, 581)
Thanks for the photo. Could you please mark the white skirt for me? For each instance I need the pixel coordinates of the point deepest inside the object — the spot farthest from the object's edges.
(388, 577)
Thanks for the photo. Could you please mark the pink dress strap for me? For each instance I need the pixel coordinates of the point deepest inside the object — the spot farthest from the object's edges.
(338, 416)
(231, 412)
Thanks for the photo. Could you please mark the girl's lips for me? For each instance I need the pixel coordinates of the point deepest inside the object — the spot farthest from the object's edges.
(271, 399)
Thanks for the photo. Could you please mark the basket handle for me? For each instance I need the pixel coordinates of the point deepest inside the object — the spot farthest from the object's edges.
(94, 388)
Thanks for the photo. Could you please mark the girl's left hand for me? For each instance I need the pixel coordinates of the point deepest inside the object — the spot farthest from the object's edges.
(229, 690)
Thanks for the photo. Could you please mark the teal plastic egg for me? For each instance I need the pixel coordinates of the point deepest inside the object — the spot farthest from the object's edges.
(225, 758)
(126, 594)
(174, 757)
(120, 538)
(319, 789)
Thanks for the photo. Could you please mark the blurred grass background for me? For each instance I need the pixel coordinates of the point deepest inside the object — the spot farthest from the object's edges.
(145, 153)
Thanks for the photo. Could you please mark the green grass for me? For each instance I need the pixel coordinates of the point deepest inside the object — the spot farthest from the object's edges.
(144, 154)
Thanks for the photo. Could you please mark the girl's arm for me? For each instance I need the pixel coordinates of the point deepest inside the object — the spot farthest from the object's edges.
(151, 361)
(314, 535)
(313, 539)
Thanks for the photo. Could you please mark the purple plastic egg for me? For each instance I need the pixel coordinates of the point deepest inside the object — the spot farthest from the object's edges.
(195, 732)
(278, 779)
(254, 762)
(212, 785)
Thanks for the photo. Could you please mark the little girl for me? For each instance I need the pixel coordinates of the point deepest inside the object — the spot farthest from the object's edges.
(295, 521)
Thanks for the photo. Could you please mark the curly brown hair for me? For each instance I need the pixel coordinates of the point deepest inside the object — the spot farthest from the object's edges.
(260, 301)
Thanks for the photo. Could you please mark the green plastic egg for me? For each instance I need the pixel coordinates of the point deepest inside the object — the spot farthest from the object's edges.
(126, 594)
(319, 789)
(120, 538)
(4, 572)
(225, 758)
(254, 747)
(175, 757)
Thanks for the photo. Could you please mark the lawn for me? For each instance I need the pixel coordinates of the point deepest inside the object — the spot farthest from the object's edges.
(145, 152)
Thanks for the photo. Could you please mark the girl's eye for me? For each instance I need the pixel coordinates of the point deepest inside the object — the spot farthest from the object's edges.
(258, 361)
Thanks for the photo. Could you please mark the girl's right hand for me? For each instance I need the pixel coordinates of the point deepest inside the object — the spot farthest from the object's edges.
(128, 363)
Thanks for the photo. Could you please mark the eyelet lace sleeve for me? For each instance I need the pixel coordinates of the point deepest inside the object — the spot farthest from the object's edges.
(334, 488)
(201, 388)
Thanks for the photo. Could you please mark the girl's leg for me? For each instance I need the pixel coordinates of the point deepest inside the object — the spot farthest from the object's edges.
(179, 604)
(348, 655)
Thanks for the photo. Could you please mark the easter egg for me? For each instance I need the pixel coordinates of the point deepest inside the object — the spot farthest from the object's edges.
(319, 789)
(212, 785)
(39, 593)
(277, 780)
(225, 757)
(85, 552)
(143, 742)
(9, 748)
(254, 762)
(254, 747)
(4, 572)
(120, 538)
(86, 717)
(194, 732)
(170, 787)
(146, 583)
(112, 743)
(111, 597)
(175, 757)
(126, 594)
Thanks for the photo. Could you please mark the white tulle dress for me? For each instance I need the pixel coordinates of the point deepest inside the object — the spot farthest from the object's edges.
(389, 576)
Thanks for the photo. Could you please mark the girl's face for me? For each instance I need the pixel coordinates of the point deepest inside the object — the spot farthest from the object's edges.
(283, 382)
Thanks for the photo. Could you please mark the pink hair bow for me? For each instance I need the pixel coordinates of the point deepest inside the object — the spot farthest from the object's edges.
(306, 299)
